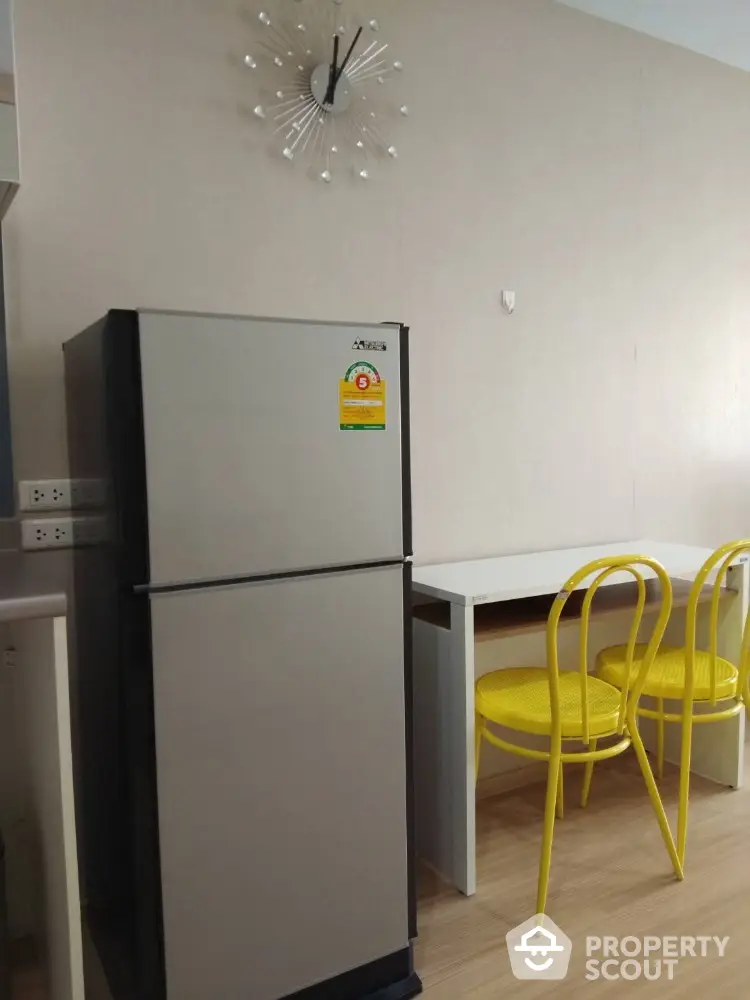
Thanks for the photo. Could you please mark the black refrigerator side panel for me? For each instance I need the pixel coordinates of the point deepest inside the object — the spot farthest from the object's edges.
(126, 447)
(406, 442)
(112, 686)
(409, 744)
(130, 539)
(408, 650)
(100, 773)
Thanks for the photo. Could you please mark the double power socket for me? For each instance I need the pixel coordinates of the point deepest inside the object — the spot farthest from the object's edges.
(43, 495)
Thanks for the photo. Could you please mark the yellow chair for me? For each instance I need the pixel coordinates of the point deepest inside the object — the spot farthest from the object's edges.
(573, 705)
(693, 676)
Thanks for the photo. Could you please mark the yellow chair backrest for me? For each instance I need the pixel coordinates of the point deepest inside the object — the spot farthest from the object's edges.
(604, 568)
(720, 560)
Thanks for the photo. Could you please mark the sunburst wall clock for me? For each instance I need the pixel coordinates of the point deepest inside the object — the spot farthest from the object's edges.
(323, 74)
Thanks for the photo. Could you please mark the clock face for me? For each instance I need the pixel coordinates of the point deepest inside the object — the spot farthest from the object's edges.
(323, 76)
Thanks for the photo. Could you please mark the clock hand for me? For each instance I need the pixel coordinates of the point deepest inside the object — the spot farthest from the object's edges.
(332, 79)
(346, 60)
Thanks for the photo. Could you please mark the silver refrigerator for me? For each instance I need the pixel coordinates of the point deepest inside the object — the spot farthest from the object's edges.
(243, 674)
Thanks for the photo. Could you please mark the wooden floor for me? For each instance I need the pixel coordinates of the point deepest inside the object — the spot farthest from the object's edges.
(610, 875)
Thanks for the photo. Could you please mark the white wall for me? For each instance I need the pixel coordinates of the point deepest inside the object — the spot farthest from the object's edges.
(599, 173)
(717, 28)
(6, 37)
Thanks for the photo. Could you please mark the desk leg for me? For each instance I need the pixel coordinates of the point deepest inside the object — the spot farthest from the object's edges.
(460, 704)
(717, 748)
(444, 780)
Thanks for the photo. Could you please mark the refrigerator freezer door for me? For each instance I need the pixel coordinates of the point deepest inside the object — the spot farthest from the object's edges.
(247, 469)
(280, 740)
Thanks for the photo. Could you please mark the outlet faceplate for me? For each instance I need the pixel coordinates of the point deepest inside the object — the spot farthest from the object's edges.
(62, 532)
(61, 494)
(44, 494)
(47, 533)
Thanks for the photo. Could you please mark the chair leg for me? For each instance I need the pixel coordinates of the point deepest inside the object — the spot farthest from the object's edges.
(653, 792)
(478, 730)
(560, 794)
(682, 814)
(588, 774)
(555, 766)
(660, 739)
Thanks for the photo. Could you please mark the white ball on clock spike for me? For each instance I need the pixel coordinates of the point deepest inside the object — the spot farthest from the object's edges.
(326, 175)
(374, 26)
(278, 61)
(398, 65)
(364, 174)
(404, 109)
(264, 18)
(288, 153)
(250, 62)
(259, 111)
(392, 151)
(334, 149)
(360, 144)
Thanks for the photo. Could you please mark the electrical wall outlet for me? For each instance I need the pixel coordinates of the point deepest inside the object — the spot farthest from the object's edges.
(62, 532)
(47, 533)
(61, 494)
(44, 494)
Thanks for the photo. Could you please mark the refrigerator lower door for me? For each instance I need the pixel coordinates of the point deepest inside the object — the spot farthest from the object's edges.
(281, 768)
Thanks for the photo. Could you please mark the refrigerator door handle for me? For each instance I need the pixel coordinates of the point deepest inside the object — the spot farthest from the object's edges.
(261, 578)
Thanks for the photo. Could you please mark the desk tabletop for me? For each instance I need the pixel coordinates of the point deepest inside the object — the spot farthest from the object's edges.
(506, 578)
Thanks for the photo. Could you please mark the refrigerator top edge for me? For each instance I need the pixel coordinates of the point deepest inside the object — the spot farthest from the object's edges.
(374, 325)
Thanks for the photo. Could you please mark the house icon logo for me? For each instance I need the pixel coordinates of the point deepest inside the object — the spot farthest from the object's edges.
(538, 949)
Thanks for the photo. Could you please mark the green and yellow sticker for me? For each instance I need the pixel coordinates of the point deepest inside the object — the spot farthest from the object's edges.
(362, 396)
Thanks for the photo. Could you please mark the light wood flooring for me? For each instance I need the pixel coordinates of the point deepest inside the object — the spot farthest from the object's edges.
(610, 875)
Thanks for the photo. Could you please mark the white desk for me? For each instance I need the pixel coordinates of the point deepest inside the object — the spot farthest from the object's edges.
(446, 668)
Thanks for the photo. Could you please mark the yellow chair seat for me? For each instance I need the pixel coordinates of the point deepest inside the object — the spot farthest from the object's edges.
(666, 678)
(519, 699)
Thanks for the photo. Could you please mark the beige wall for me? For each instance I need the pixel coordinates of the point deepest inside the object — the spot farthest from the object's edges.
(601, 174)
